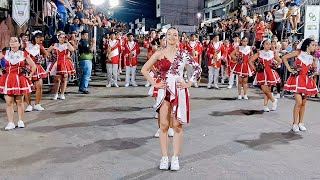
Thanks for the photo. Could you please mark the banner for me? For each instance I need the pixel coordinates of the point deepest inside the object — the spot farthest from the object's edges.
(312, 20)
(21, 11)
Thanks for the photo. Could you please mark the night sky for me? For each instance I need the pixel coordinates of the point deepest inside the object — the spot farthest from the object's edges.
(130, 10)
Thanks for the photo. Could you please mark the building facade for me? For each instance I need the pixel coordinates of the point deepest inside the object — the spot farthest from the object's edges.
(179, 12)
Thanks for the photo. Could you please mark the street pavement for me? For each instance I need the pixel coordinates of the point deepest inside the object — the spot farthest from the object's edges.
(108, 134)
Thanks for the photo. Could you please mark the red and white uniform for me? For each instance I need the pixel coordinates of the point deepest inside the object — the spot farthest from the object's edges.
(215, 48)
(63, 64)
(36, 53)
(231, 64)
(133, 48)
(115, 50)
(193, 46)
(243, 69)
(147, 44)
(302, 83)
(131, 53)
(268, 76)
(13, 82)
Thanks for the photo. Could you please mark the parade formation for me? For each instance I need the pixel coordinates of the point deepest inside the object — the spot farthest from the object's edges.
(175, 62)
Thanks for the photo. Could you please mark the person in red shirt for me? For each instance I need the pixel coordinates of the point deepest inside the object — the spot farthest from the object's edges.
(113, 48)
(232, 76)
(259, 29)
(131, 52)
(147, 43)
(214, 54)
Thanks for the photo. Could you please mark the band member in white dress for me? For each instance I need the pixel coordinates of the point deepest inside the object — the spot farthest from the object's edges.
(195, 49)
(15, 83)
(37, 54)
(173, 94)
(301, 81)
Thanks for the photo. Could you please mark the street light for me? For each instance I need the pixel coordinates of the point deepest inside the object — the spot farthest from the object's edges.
(113, 3)
(199, 15)
(97, 2)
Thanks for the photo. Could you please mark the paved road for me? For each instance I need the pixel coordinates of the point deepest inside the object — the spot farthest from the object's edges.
(108, 135)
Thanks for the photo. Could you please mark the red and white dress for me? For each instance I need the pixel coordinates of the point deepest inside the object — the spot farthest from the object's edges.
(232, 64)
(36, 53)
(63, 64)
(268, 76)
(243, 68)
(302, 83)
(13, 82)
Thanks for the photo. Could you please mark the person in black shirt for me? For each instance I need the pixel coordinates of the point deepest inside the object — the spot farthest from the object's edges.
(85, 60)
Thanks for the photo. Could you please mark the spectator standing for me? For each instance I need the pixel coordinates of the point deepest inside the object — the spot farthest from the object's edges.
(62, 10)
(86, 55)
(280, 13)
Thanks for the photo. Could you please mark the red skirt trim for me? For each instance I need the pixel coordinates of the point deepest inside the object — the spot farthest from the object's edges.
(301, 85)
(15, 84)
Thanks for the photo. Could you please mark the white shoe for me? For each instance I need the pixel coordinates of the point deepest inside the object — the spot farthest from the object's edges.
(295, 128)
(170, 132)
(62, 97)
(274, 105)
(266, 109)
(55, 97)
(175, 163)
(127, 85)
(157, 133)
(229, 87)
(196, 85)
(245, 97)
(134, 84)
(209, 86)
(302, 127)
(147, 85)
(108, 85)
(116, 85)
(216, 86)
(164, 163)
(222, 81)
(29, 108)
(38, 107)
(278, 96)
(21, 124)
(240, 97)
(10, 126)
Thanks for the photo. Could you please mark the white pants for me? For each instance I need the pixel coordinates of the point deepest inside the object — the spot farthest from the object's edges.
(112, 72)
(131, 70)
(213, 75)
(231, 79)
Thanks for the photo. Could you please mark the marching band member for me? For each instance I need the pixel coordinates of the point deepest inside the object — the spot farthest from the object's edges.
(131, 53)
(242, 55)
(113, 51)
(234, 45)
(301, 80)
(37, 54)
(62, 67)
(16, 82)
(214, 60)
(195, 49)
(266, 75)
(147, 43)
(173, 95)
